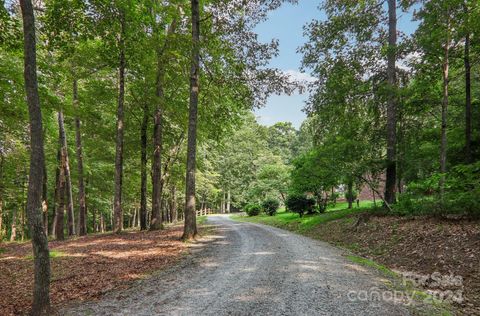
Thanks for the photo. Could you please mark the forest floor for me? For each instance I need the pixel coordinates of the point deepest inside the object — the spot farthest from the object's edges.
(85, 268)
(428, 249)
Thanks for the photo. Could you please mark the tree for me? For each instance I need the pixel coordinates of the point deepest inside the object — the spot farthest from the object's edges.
(41, 292)
(190, 227)
(391, 170)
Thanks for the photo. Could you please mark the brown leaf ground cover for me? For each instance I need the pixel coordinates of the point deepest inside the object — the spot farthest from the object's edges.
(420, 245)
(86, 267)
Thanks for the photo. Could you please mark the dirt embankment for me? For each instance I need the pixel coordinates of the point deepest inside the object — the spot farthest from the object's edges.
(423, 246)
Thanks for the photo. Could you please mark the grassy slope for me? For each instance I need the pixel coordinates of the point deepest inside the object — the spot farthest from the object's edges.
(292, 221)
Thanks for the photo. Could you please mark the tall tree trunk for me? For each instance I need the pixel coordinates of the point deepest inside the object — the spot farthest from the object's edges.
(468, 99)
(68, 178)
(82, 209)
(392, 103)
(190, 224)
(443, 141)
(156, 219)
(117, 202)
(41, 288)
(143, 170)
(158, 214)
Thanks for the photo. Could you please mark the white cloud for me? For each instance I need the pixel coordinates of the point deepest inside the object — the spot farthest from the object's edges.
(296, 75)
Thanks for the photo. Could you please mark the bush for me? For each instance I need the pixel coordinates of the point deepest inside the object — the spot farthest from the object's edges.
(299, 203)
(270, 206)
(253, 209)
(461, 195)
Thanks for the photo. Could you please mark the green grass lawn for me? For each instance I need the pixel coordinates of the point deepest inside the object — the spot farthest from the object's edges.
(292, 221)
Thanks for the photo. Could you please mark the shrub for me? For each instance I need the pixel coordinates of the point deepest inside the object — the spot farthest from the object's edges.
(270, 206)
(461, 195)
(299, 203)
(253, 209)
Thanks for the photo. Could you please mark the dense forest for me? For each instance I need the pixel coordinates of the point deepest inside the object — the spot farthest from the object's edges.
(139, 113)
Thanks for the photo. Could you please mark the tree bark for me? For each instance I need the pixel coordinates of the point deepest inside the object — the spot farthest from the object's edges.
(143, 170)
(190, 224)
(391, 104)
(82, 209)
(41, 291)
(68, 178)
(117, 202)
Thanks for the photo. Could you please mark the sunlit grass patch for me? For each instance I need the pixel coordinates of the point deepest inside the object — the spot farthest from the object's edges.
(53, 254)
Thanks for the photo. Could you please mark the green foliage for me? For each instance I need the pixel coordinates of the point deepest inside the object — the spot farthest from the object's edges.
(270, 206)
(253, 209)
(300, 204)
(462, 188)
(351, 196)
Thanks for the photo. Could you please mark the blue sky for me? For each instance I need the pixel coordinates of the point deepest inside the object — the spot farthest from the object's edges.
(286, 25)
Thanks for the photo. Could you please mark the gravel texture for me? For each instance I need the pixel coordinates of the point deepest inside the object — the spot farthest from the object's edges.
(251, 269)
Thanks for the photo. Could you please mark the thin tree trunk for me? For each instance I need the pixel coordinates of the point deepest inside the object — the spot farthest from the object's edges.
(41, 292)
(229, 200)
(468, 99)
(13, 230)
(60, 209)
(56, 192)
(222, 206)
(44, 200)
(190, 225)
(443, 144)
(391, 104)
(173, 205)
(102, 223)
(134, 220)
(82, 209)
(117, 202)
(350, 193)
(156, 219)
(68, 179)
(143, 170)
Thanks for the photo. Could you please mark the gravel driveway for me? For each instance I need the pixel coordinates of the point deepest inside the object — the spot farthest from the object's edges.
(250, 269)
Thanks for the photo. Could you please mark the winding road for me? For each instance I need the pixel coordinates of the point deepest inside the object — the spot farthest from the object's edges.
(252, 269)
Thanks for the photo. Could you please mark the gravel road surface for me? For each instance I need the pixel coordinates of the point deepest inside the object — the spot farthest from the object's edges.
(251, 269)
